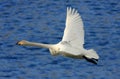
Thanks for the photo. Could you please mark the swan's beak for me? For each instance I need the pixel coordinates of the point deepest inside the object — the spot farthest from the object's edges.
(20, 43)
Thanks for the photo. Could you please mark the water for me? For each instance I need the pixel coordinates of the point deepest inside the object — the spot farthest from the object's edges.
(44, 21)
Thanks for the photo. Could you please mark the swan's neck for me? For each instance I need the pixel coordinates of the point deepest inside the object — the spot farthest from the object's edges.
(38, 44)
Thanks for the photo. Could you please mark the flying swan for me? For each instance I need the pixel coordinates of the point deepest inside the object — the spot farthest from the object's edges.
(72, 41)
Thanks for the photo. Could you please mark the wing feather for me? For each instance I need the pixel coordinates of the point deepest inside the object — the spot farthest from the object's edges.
(74, 31)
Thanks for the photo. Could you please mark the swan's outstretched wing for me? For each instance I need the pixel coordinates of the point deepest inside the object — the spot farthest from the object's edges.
(74, 32)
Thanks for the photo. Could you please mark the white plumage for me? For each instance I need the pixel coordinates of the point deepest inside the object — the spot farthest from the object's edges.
(74, 31)
(72, 41)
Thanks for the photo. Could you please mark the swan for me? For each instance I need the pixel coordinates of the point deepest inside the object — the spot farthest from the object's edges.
(72, 42)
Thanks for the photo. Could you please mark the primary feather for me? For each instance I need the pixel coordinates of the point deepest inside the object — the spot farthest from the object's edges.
(74, 32)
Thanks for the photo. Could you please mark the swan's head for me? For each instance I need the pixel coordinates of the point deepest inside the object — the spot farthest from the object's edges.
(91, 56)
(23, 42)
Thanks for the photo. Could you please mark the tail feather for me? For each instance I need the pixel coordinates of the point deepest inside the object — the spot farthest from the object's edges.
(92, 54)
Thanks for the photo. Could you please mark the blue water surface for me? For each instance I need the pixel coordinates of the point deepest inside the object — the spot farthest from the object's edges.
(44, 21)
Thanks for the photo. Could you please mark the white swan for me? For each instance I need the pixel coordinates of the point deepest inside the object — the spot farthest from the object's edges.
(72, 41)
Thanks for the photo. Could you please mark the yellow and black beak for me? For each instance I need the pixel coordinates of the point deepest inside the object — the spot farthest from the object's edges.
(19, 43)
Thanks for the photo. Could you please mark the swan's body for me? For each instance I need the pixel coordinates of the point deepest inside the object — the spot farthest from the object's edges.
(72, 41)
